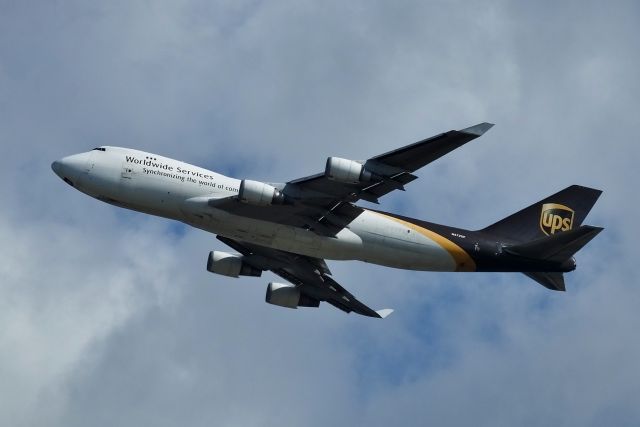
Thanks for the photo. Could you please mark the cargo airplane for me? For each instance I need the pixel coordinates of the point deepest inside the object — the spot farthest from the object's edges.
(292, 228)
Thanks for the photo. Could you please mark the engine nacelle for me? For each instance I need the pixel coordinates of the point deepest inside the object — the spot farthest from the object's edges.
(260, 194)
(345, 170)
(230, 265)
(283, 294)
(288, 295)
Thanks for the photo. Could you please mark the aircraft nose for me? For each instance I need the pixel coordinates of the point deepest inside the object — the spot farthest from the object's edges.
(69, 168)
(57, 167)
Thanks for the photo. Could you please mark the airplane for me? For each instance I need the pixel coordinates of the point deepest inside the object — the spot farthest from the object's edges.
(291, 228)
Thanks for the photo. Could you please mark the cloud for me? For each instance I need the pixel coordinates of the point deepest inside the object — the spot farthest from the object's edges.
(109, 317)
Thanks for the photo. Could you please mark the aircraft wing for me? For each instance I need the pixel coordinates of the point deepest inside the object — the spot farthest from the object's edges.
(310, 275)
(392, 169)
(325, 206)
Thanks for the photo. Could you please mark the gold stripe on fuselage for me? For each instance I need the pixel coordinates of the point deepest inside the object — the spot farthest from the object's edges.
(462, 259)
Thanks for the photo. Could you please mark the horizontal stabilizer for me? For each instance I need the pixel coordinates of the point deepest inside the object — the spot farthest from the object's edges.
(553, 281)
(558, 247)
(384, 313)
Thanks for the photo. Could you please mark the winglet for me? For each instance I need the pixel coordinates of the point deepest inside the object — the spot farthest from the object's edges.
(384, 312)
(478, 129)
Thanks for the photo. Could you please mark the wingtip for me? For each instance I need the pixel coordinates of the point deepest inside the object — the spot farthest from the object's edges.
(478, 129)
(384, 313)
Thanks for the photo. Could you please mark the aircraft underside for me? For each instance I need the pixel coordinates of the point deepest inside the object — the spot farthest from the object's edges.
(372, 238)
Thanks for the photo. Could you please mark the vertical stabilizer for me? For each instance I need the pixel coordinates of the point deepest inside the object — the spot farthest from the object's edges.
(562, 211)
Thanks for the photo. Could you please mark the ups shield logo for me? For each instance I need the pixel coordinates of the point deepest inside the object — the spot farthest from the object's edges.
(555, 217)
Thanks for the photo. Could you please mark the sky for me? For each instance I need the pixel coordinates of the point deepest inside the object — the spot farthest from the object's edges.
(109, 317)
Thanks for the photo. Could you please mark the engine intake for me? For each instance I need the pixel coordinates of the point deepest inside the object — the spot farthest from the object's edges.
(289, 296)
(259, 194)
(347, 171)
(230, 265)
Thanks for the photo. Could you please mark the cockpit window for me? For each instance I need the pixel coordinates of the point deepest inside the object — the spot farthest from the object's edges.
(99, 149)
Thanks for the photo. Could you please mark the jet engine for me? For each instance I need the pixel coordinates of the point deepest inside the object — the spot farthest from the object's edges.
(288, 295)
(284, 295)
(348, 171)
(230, 265)
(259, 193)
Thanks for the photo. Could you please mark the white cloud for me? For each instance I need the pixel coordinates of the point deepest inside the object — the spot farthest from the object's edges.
(63, 290)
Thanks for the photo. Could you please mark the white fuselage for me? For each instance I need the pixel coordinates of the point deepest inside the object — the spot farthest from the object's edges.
(165, 187)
